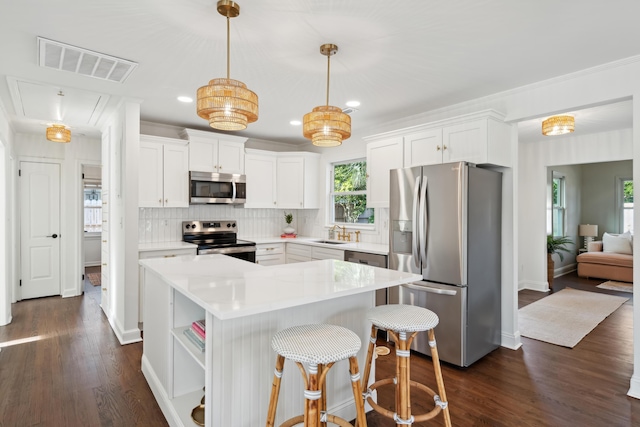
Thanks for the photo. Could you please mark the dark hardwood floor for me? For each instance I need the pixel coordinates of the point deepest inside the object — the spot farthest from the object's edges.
(539, 384)
(70, 370)
(61, 365)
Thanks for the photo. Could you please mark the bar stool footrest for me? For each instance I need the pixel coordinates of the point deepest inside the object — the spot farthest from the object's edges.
(439, 405)
(334, 419)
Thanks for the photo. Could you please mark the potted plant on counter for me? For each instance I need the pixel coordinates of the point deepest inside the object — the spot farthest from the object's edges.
(288, 218)
(555, 245)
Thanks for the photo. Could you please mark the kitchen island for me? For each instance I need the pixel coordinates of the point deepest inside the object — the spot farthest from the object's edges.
(244, 305)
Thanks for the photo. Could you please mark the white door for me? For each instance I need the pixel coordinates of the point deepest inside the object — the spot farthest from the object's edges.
(40, 229)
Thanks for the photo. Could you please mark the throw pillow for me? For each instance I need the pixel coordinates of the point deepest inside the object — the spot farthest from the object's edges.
(616, 243)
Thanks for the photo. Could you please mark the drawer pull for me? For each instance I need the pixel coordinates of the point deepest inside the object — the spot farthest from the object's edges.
(170, 256)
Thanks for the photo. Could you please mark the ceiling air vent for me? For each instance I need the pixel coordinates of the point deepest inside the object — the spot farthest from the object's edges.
(349, 110)
(60, 56)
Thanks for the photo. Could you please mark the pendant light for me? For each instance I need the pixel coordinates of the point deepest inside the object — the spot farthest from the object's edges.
(327, 126)
(558, 125)
(226, 103)
(58, 133)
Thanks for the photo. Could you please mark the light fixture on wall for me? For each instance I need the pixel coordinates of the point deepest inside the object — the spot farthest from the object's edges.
(327, 126)
(588, 231)
(226, 103)
(58, 133)
(558, 125)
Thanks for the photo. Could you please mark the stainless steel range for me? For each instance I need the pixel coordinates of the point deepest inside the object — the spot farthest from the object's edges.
(218, 237)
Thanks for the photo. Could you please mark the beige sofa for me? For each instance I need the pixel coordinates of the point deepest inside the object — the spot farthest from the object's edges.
(596, 263)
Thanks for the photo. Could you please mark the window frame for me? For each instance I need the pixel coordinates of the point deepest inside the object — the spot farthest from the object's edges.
(559, 210)
(621, 204)
(330, 218)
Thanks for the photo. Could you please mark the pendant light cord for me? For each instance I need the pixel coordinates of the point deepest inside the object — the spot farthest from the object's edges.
(229, 47)
(328, 73)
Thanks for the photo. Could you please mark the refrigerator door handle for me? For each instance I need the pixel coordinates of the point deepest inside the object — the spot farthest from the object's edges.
(430, 289)
(424, 222)
(415, 230)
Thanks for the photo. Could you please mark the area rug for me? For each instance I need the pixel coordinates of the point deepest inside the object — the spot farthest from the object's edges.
(94, 278)
(616, 286)
(567, 316)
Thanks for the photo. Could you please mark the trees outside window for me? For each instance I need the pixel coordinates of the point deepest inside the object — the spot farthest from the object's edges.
(627, 205)
(349, 193)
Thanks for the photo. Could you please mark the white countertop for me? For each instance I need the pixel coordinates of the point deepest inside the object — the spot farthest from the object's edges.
(230, 288)
(374, 248)
(163, 246)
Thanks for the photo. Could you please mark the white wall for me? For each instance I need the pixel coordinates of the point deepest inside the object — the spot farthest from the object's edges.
(6, 258)
(535, 157)
(35, 147)
(600, 204)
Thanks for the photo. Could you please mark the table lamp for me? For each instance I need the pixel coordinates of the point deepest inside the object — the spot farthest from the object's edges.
(588, 231)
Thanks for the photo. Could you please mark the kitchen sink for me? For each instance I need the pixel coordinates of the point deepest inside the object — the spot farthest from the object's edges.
(330, 242)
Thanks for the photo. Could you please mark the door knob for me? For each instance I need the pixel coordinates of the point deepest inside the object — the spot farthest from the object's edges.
(55, 236)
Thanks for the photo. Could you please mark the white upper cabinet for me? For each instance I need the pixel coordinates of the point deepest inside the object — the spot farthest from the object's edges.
(163, 173)
(382, 156)
(297, 181)
(423, 148)
(283, 180)
(260, 169)
(482, 141)
(480, 138)
(212, 152)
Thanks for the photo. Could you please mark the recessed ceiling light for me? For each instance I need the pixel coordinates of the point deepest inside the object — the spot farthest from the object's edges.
(353, 104)
(185, 99)
(295, 122)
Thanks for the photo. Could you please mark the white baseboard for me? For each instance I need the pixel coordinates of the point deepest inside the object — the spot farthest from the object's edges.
(159, 393)
(565, 270)
(634, 389)
(533, 286)
(511, 341)
(125, 337)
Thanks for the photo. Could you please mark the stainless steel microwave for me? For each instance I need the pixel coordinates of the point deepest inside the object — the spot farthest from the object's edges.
(217, 188)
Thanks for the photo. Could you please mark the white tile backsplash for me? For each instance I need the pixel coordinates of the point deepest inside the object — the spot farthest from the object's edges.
(165, 224)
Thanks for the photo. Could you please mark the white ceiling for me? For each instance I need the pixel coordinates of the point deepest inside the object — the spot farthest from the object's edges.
(396, 58)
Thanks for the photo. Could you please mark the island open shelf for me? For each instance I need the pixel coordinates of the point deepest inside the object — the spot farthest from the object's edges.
(244, 305)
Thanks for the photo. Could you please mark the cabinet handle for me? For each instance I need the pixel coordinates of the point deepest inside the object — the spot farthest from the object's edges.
(104, 289)
(169, 256)
(166, 200)
(274, 203)
(104, 241)
(104, 220)
(104, 203)
(367, 176)
(300, 203)
(220, 166)
(104, 263)
(270, 249)
(159, 200)
(444, 147)
(437, 148)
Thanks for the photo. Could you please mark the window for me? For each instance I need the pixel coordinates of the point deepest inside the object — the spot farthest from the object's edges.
(349, 193)
(92, 208)
(627, 205)
(558, 200)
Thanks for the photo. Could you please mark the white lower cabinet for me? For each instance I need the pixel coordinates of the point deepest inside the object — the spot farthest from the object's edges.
(298, 253)
(326, 253)
(270, 254)
(155, 253)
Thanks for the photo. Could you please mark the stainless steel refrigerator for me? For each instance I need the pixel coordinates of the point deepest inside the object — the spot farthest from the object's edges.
(445, 223)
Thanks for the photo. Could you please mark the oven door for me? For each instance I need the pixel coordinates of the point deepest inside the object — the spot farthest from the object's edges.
(247, 253)
(217, 188)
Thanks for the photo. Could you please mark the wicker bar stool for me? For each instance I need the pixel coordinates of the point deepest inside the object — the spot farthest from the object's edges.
(319, 347)
(403, 322)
